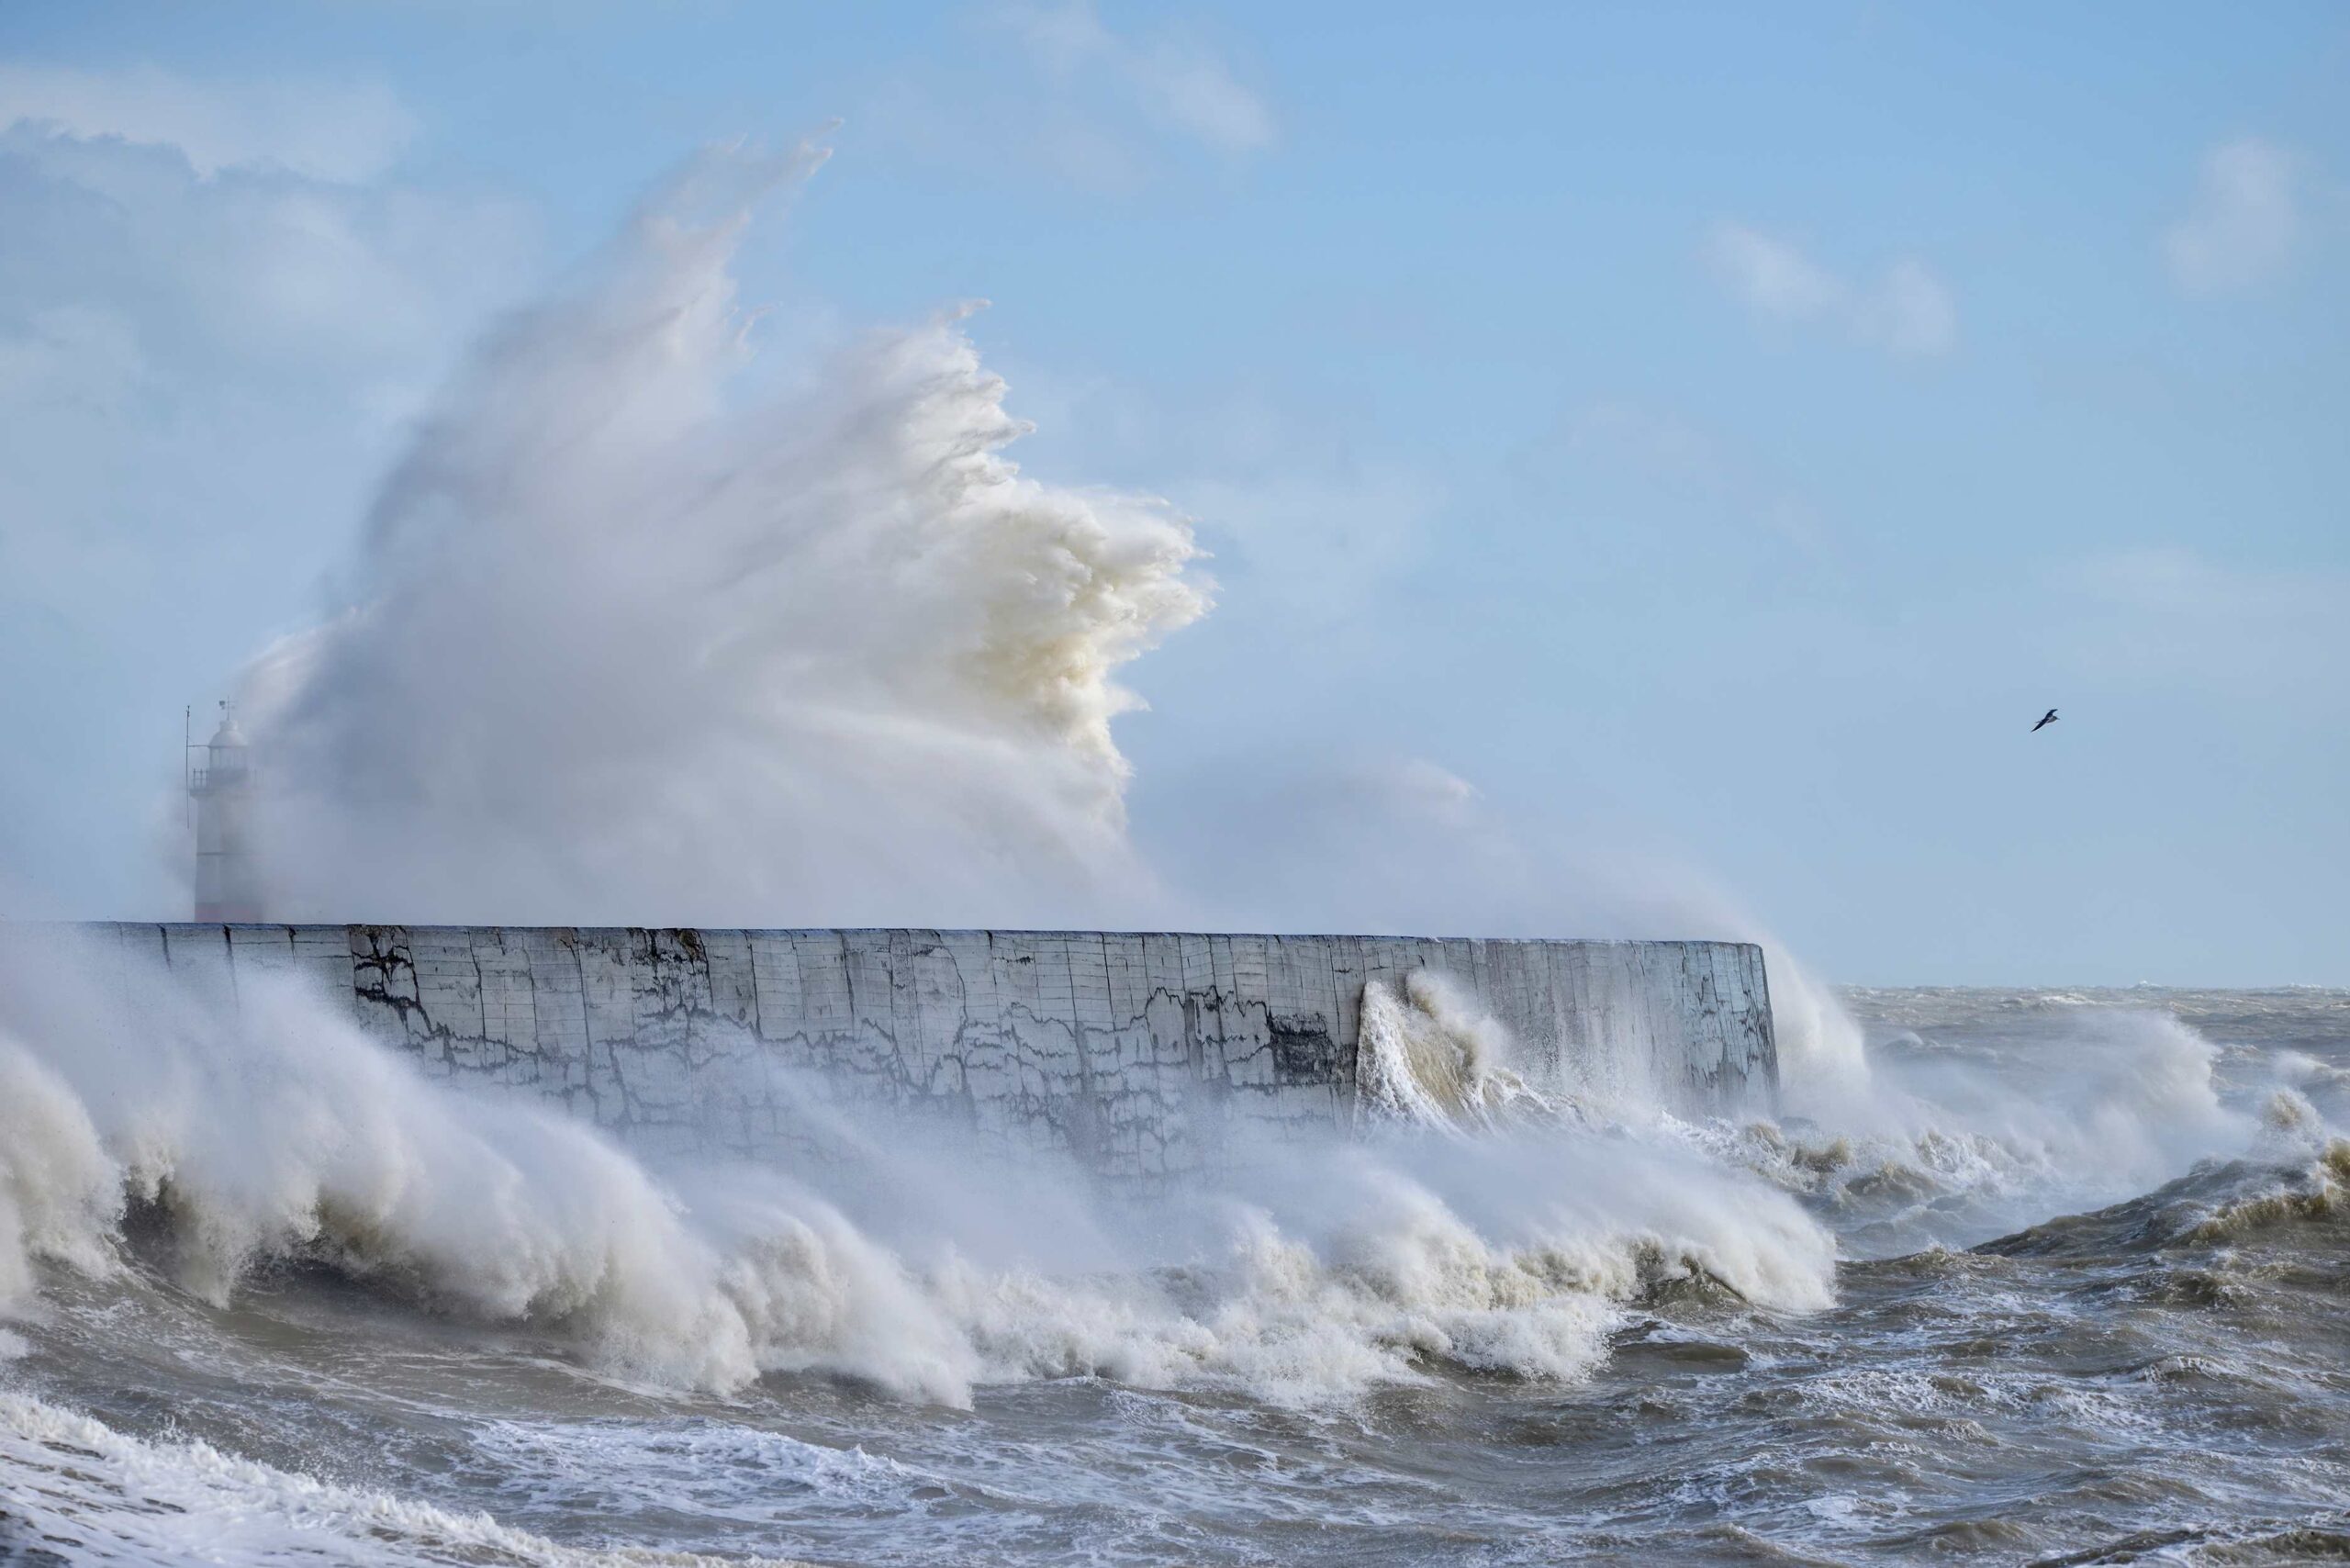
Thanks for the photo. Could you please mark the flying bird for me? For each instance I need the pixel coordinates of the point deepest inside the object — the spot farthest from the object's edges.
(2046, 720)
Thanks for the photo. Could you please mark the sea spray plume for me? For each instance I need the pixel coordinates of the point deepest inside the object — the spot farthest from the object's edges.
(1823, 1059)
(634, 639)
(2082, 1107)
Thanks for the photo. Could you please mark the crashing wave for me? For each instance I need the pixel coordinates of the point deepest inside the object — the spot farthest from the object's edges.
(2218, 1203)
(1431, 1058)
(2318, 1193)
(273, 1131)
(1958, 1144)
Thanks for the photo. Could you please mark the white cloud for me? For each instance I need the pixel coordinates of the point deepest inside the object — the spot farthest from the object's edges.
(248, 265)
(1414, 785)
(2245, 222)
(1665, 465)
(1908, 311)
(339, 132)
(1774, 276)
(69, 356)
(2170, 579)
(1179, 82)
(184, 351)
(1198, 92)
(1324, 537)
(2174, 614)
(1046, 86)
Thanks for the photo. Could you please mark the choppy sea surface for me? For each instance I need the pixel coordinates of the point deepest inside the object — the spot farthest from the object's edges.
(2037, 1276)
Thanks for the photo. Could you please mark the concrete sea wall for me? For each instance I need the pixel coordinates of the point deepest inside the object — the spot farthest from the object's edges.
(1138, 1054)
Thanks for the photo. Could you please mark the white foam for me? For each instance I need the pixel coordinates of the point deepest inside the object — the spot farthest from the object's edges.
(98, 1496)
(716, 1469)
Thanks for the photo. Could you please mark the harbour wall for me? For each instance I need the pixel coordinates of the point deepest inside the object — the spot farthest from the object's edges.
(1138, 1054)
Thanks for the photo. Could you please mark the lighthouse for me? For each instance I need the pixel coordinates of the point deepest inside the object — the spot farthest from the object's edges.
(220, 782)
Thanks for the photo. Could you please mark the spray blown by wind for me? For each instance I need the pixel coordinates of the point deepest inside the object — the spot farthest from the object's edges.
(646, 629)
(634, 640)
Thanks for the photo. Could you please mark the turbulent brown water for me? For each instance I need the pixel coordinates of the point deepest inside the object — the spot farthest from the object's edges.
(2063, 1278)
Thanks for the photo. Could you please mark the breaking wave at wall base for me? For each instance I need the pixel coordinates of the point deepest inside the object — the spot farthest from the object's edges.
(1431, 1058)
(148, 1130)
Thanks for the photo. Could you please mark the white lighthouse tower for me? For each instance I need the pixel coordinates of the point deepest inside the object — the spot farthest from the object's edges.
(227, 887)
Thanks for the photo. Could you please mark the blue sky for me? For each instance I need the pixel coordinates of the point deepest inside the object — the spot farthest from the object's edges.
(1709, 434)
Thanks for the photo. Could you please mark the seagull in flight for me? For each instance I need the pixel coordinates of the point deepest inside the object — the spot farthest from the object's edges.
(2046, 720)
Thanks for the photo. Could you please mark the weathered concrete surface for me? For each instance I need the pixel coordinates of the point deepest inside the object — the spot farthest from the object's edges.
(1139, 1054)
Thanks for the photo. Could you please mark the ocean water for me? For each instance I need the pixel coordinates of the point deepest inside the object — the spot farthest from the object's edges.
(2058, 1277)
